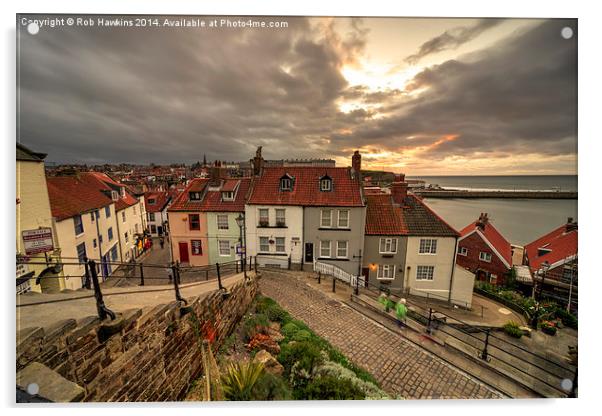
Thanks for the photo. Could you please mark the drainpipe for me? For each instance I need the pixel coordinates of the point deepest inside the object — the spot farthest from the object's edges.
(451, 278)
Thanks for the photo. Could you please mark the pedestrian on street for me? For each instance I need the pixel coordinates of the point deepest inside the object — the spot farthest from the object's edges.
(401, 312)
(162, 242)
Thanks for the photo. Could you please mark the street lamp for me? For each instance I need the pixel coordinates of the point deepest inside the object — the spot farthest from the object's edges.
(545, 266)
(240, 220)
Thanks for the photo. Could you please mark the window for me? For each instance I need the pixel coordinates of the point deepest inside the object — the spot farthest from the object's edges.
(78, 224)
(100, 238)
(81, 252)
(264, 217)
(228, 196)
(425, 272)
(264, 244)
(151, 216)
(386, 271)
(326, 218)
(463, 251)
(92, 216)
(114, 196)
(110, 233)
(325, 184)
(125, 236)
(342, 249)
(280, 217)
(194, 196)
(123, 216)
(343, 218)
(428, 246)
(151, 201)
(224, 247)
(485, 256)
(194, 222)
(388, 246)
(153, 229)
(324, 248)
(108, 211)
(285, 183)
(222, 222)
(114, 253)
(280, 245)
(94, 243)
(493, 279)
(196, 248)
(122, 192)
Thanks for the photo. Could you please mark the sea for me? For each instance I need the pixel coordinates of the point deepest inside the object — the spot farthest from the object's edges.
(519, 220)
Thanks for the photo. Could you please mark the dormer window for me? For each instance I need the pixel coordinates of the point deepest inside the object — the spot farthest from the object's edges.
(286, 183)
(114, 196)
(151, 201)
(542, 251)
(228, 196)
(122, 191)
(195, 196)
(325, 184)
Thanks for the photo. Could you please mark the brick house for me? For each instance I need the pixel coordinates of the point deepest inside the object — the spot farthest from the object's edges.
(483, 250)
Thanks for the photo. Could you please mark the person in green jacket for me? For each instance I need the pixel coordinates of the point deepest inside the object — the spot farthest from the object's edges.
(401, 311)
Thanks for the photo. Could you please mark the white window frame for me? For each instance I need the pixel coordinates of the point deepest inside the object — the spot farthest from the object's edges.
(286, 184)
(259, 215)
(326, 185)
(487, 258)
(380, 272)
(228, 196)
(430, 248)
(283, 245)
(346, 249)
(219, 248)
(267, 243)
(81, 220)
(391, 241)
(217, 220)
(283, 217)
(322, 246)
(322, 217)
(463, 251)
(425, 273)
(339, 218)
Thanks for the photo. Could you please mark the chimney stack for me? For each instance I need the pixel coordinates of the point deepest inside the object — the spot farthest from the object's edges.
(570, 225)
(482, 221)
(399, 189)
(356, 161)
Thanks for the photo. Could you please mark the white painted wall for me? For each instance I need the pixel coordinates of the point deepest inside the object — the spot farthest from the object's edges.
(133, 224)
(294, 229)
(462, 287)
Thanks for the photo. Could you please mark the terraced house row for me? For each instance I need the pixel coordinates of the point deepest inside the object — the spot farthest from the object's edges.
(321, 218)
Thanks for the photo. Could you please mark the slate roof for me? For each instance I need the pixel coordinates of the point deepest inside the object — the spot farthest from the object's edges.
(420, 220)
(495, 238)
(75, 195)
(25, 154)
(562, 243)
(346, 192)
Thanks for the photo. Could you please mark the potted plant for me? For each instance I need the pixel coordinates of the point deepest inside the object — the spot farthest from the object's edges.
(548, 327)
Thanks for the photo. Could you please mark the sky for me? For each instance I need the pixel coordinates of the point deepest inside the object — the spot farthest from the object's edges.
(423, 96)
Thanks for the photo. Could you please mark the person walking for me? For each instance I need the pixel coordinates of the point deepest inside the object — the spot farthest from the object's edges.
(401, 312)
(161, 242)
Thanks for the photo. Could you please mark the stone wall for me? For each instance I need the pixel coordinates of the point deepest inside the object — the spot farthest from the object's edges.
(144, 355)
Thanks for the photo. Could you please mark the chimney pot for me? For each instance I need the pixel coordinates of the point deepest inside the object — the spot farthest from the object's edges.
(356, 161)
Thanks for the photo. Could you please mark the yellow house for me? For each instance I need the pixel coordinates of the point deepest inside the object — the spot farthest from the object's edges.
(36, 243)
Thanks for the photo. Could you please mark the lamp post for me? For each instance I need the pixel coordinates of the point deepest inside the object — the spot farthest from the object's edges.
(545, 266)
(240, 222)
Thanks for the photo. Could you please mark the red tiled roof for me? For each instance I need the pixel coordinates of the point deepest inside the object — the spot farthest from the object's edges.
(562, 244)
(382, 218)
(75, 195)
(183, 203)
(230, 185)
(161, 199)
(123, 202)
(212, 202)
(306, 187)
(495, 238)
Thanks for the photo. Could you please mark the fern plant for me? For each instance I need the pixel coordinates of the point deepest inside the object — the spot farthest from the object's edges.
(239, 380)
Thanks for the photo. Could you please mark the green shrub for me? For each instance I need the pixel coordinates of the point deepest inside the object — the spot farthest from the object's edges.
(271, 387)
(513, 329)
(239, 380)
(302, 335)
(329, 388)
(369, 389)
(306, 354)
(567, 318)
(257, 324)
(289, 330)
(271, 309)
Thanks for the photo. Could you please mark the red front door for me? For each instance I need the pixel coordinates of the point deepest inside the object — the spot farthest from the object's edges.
(183, 246)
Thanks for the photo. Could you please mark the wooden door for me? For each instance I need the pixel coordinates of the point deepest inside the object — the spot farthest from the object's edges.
(183, 246)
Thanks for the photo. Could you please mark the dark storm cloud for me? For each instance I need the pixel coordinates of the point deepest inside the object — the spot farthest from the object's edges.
(517, 97)
(162, 95)
(452, 39)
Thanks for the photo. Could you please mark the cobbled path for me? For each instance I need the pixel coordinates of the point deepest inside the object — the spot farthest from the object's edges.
(401, 367)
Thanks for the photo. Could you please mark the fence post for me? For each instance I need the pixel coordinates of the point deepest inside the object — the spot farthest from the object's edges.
(141, 274)
(237, 265)
(334, 284)
(289, 261)
(103, 311)
(319, 277)
(219, 277)
(428, 326)
(485, 353)
(87, 271)
(207, 274)
(176, 281)
(357, 285)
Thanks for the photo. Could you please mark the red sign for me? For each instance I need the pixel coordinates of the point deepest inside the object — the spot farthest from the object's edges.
(37, 241)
